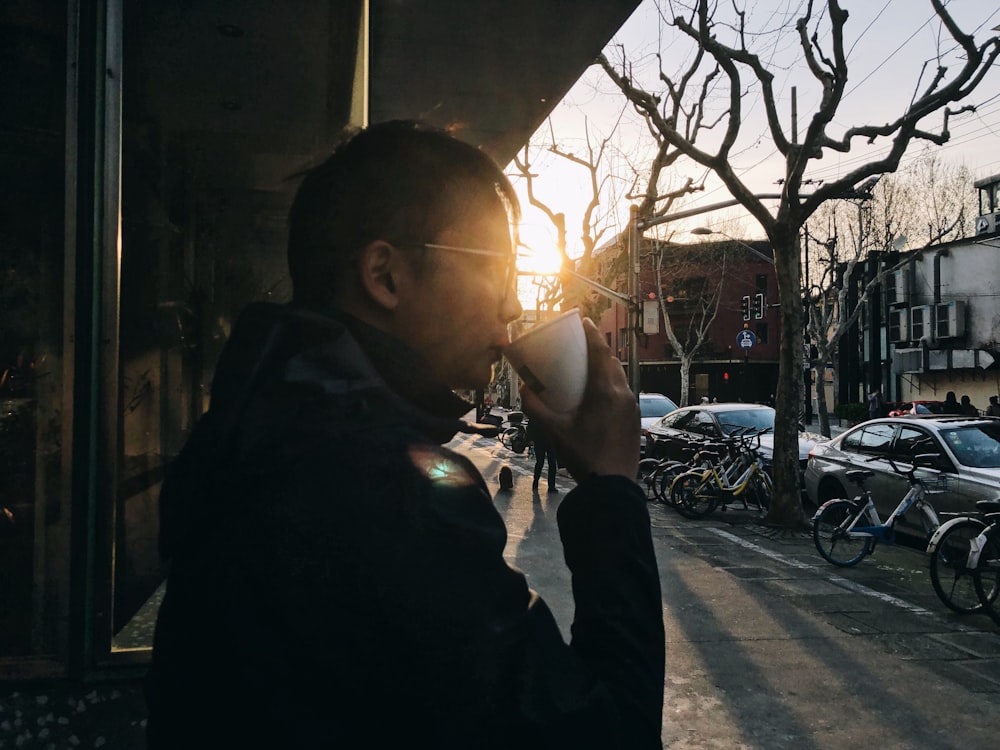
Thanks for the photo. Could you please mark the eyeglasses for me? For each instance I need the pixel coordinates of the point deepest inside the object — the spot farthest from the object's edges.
(510, 259)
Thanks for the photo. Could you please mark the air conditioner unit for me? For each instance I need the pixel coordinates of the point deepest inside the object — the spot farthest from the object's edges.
(899, 325)
(949, 319)
(988, 223)
(920, 322)
(897, 288)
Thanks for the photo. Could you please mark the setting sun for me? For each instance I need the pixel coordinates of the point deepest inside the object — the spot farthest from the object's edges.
(538, 260)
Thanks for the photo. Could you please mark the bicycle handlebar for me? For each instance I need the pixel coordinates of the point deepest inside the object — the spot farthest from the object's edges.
(910, 474)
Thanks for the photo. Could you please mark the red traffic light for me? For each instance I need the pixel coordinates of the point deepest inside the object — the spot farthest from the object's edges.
(725, 376)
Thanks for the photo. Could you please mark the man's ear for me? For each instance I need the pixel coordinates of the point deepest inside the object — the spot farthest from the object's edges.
(379, 260)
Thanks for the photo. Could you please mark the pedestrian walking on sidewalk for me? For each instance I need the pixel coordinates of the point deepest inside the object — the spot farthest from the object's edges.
(876, 404)
(544, 452)
(336, 574)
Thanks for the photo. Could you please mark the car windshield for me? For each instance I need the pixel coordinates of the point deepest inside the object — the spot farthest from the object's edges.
(656, 406)
(733, 421)
(977, 446)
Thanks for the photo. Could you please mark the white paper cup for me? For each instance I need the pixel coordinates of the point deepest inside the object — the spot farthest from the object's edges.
(551, 358)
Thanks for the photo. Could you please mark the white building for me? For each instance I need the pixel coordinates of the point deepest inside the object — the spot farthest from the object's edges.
(943, 317)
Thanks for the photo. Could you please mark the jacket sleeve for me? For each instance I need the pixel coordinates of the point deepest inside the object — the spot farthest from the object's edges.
(470, 650)
(618, 625)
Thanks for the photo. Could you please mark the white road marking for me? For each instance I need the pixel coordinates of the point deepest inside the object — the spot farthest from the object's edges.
(836, 580)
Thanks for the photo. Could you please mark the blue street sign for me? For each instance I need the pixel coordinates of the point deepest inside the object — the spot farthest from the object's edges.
(745, 339)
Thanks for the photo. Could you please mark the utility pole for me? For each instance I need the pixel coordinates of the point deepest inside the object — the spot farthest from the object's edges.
(636, 304)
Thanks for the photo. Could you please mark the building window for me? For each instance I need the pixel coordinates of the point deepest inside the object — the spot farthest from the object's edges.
(761, 284)
(35, 510)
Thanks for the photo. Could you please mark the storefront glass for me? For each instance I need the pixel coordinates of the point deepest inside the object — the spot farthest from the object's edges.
(34, 504)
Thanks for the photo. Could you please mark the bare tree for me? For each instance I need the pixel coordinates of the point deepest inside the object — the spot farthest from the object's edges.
(721, 60)
(645, 187)
(593, 223)
(701, 270)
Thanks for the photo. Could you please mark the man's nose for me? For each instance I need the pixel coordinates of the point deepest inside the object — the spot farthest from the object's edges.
(510, 308)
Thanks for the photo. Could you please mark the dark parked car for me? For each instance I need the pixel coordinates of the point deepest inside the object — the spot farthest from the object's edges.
(669, 437)
(968, 450)
(652, 406)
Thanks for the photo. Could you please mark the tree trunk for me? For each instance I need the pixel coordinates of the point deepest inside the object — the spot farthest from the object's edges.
(685, 369)
(786, 505)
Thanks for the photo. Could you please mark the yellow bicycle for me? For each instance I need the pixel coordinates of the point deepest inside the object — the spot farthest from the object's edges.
(735, 473)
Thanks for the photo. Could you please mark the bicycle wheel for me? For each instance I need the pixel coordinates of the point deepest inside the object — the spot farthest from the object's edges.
(647, 477)
(760, 491)
(693, 495)
(951, 578)
(518, 442)
(667, 476)
(831, 537)
(986, 576)
(506, 436)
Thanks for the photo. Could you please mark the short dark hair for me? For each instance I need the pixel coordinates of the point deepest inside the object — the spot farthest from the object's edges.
(400, 181)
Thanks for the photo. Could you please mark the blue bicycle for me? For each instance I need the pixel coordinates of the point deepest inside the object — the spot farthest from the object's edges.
(845, 531)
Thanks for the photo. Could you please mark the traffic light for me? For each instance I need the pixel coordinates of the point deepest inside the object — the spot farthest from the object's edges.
(758, 306)
(746, 307)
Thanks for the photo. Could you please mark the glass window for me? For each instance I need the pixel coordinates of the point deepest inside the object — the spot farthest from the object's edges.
(703, 424)
(199, 240)
(975, 446)
(34, 500)
(655, 406)
(758, 419)
(875, 439)
(851, 441)
(912, 442)
(677, 419)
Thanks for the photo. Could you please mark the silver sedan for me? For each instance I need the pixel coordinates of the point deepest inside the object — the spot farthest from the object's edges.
(967, 468)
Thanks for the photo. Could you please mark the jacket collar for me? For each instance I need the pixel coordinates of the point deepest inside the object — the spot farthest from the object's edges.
(403, 369)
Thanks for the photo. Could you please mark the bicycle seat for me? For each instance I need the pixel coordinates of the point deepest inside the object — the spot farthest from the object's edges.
(988, 506)
(858, 476)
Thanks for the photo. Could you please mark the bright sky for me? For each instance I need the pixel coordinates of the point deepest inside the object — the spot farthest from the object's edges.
(891, 45)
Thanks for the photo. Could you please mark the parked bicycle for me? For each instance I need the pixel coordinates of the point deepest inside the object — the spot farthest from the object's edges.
(734, 472)
(513, 433)
(984, 562)
(953, 574)
(845, 531)
(656, 475)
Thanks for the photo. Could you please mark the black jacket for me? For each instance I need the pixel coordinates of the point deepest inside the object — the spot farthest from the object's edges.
(337, 576)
